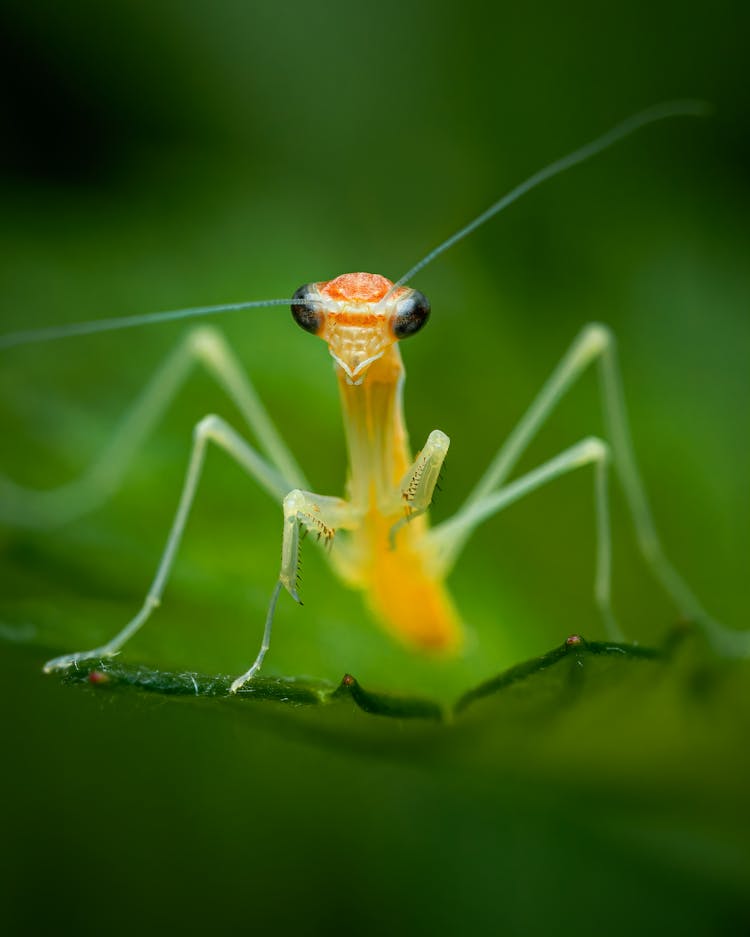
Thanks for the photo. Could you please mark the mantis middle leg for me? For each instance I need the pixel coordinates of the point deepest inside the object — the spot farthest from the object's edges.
(210, 429)
(596, 343)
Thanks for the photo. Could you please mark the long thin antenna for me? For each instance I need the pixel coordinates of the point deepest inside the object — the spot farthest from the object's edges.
(686, 108)
(12, 339)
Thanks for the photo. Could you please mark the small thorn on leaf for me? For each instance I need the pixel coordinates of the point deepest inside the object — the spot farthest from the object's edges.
(97, 677)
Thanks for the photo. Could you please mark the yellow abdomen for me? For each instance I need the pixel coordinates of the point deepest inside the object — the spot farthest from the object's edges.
(401, 589)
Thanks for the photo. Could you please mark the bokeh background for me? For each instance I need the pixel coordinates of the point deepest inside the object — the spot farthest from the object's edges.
(180, 154)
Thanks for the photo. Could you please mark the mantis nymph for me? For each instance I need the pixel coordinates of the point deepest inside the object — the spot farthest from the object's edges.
(378, 535)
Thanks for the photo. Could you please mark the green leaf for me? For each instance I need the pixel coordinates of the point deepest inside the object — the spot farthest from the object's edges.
(574, 669)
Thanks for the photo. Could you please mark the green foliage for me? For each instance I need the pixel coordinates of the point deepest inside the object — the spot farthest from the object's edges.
(113, 674)
(184, 155)
(591, 761)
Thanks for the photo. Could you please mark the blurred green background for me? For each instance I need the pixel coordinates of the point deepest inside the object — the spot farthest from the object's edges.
(177, 154)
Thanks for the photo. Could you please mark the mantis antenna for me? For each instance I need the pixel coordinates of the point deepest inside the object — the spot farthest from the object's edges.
(682, 108)
(126, 322)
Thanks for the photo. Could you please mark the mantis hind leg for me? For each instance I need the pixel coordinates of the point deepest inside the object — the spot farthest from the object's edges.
(596, 343)
(204, 345)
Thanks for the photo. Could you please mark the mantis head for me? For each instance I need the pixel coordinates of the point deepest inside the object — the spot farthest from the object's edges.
(359, 315)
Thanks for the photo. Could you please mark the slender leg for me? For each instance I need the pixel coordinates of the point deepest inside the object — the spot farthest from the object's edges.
(265, 644)
(588, 451)
(418, 485)
(211, 429)
(303, 510)
(205, 345)
(597, 343)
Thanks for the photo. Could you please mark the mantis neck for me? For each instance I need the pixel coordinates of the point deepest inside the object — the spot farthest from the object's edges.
(375, 434)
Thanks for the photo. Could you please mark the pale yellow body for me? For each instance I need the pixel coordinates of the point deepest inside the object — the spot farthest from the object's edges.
(399, 579)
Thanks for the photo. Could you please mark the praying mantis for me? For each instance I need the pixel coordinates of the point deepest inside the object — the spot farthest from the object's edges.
(378, 538)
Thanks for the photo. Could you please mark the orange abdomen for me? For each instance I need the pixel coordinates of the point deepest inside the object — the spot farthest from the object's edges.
(402, 592)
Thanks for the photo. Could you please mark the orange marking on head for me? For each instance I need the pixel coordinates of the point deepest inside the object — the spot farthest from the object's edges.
(364, 320)
(357, 287)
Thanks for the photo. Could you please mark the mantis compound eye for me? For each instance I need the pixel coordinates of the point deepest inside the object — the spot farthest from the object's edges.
(306, 311)
(411, 314)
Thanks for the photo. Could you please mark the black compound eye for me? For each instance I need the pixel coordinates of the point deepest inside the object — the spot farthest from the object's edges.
(306, 312)
(413, 312)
